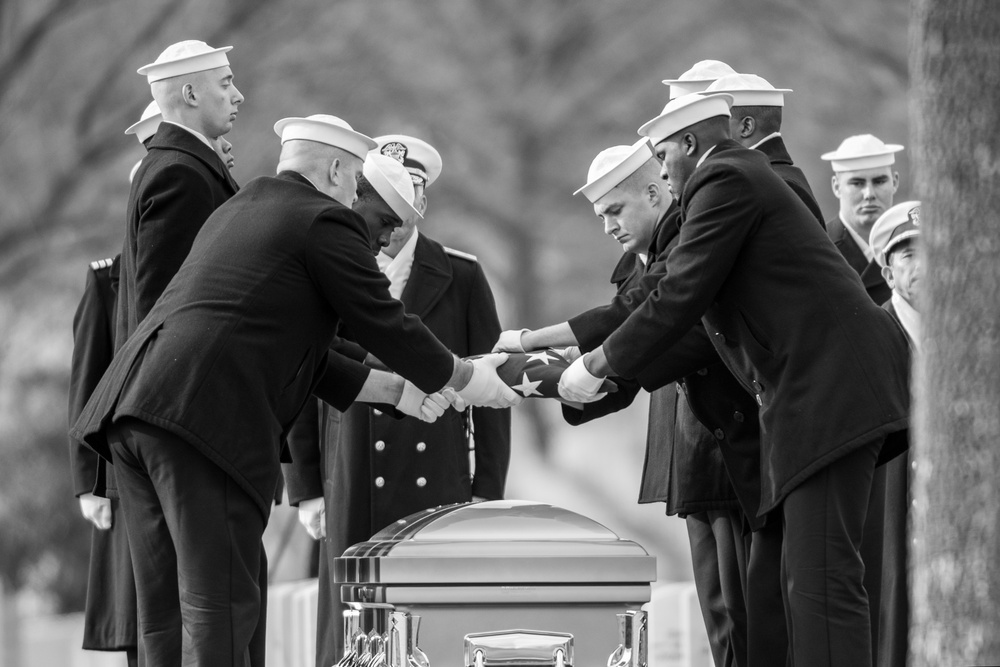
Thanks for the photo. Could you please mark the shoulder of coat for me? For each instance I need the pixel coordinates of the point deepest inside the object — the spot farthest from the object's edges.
(99, 264)
(459, 253)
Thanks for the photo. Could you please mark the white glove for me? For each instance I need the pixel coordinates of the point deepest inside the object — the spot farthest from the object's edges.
(312, 515)
(486, 388)
(577, 384)
(96, 510)
(425, 407)
(510, 341)
(571, 354)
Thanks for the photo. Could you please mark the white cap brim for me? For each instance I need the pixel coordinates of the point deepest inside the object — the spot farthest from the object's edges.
(311, 129)
(145, 128)
(756, 98)
(393, 197)
(198, 62)
(857, 162)
(684, 112)
(607, 181)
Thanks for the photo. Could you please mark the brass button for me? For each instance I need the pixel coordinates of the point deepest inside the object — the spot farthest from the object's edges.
(703, 371)
(756, 386)
(380, 482)
(719, 434)
(738, 416)
(379, 445)
(421, 446)
(421, 482)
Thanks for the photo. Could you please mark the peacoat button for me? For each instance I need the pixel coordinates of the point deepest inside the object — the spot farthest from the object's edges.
(703, 371)
(377, 413)
(380, 482)
(421, 481)
(719, 434)
(379, 445)
(756, 386)
(738, 416)
(421, 446)
(721, 337)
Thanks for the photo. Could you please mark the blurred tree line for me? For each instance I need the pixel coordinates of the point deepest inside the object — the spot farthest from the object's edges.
(517, 95)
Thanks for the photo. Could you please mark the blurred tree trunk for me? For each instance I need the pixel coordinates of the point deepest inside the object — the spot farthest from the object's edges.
(955, 571)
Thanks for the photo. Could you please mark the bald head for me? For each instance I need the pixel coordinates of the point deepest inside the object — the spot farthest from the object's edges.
(205, 101)
(332, 170)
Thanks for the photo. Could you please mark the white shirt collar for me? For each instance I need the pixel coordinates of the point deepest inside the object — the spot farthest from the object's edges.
(705, 155)
(196, 133)
(767, 138)
(643, 257)
(862, 243)
(397, 269)
(908, 317)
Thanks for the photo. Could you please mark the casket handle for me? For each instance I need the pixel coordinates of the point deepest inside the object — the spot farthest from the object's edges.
(519, 648)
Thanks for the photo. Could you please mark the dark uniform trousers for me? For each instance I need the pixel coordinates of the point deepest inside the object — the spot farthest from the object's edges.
(200, 559)
(875, 524)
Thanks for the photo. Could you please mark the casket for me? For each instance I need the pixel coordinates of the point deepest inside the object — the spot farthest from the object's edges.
(496, 583)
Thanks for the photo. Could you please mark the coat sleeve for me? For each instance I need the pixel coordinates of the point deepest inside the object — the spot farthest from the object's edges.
(491, 427)
(341, 264)
(721, 212)
(175, 204)
(93, 347)
(304, 475)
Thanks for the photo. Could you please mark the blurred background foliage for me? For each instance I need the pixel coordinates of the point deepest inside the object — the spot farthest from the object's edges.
(518, 95)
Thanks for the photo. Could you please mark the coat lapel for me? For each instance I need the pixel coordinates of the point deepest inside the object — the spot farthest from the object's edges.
(171, 137)
(429, 278)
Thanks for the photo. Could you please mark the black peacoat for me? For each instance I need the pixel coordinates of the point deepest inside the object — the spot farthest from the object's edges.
(870, 271)
(386, 468)
(787, 315)
(179, 183)
(683, 465)
(109, 620)
(781, 163)
(240, 338)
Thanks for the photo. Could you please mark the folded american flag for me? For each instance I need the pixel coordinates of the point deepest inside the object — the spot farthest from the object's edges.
(537, 373)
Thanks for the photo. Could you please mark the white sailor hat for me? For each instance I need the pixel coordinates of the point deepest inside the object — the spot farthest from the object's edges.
(185, 57)
(612, 166)
(393, 183)
(685, 111)
(325, 129)
(698, 78)
(147, 124)
(749, 90)
(899, 223)
(862, 151)
(420, 158)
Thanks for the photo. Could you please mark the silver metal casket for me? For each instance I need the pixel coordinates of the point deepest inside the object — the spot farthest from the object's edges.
(504, 582)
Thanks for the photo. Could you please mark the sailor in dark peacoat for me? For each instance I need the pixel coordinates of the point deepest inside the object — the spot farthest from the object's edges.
(178, 184)
(226, 359)
(109, 622)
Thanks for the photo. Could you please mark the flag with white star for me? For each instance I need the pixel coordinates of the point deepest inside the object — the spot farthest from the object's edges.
(536, 374)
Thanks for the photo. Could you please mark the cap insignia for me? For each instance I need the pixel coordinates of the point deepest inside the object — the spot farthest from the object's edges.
(914, 216)
(396, 150)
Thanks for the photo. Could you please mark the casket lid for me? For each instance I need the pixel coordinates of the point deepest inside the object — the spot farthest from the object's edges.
(495, 541)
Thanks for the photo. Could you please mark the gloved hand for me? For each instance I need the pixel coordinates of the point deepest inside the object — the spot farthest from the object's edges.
(578, 384)
(452, 397)
(486, 388)
(510, 341)
(425, 407)
(312, 515)
(96, 510)
(571, 353)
